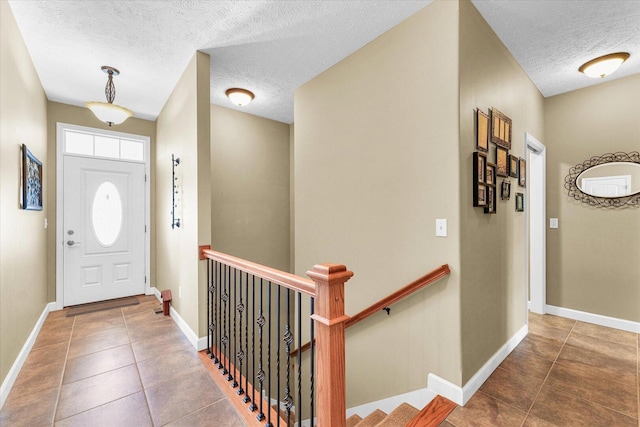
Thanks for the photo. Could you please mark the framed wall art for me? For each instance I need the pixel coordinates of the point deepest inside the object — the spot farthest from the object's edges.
(490, 176)
(502, 157)
(513, 166)
(479, 178)
(500, 129)
(31, 181)
(482, 131)
(522, 172)
(479, 195)
(490, 207)
(519, 202)
(505, 191)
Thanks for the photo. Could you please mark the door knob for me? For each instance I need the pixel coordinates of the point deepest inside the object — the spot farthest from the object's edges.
(72, 243)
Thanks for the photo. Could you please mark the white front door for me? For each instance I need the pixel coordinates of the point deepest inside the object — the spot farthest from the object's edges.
(103, 229)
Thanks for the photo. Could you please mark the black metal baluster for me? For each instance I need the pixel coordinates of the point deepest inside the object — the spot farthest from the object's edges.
(209, 310)
(246, 398)
(218, 309)
(288, 339)
(269, 356)
(232, 345)
(253, 406)
(312, 363)
(278, 356)
(299, 329)
(240, 351)
(225, 338)
(261, 321)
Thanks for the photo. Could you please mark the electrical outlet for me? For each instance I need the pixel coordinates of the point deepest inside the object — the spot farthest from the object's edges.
(553, 222)
(180, 292)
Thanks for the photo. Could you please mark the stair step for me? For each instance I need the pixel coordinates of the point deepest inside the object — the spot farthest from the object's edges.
(434, 413)
(399, 417)
(372, 419)
(353, 420)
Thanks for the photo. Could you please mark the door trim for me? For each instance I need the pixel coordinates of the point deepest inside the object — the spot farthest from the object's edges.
(59, 241)
(536, 265)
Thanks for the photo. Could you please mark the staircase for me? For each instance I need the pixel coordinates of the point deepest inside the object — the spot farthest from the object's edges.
(406, 415)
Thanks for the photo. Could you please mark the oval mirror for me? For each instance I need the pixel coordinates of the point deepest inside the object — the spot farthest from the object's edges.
(617, 179)
(610, 181)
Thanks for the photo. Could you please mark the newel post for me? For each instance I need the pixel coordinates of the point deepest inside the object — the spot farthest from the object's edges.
(330, 355)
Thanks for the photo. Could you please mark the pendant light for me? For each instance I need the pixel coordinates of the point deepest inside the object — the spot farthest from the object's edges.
(109, 112)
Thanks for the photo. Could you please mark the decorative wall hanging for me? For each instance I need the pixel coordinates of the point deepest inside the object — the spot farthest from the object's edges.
(31, 181)
(490, 208)
(513, 166)
(611, 180)
(522, 172)
(479, 178)
(502, 156)
(500, 129)
(175, 222)
(505, 193)
(519, 202)
(490, 176)
(482, 131)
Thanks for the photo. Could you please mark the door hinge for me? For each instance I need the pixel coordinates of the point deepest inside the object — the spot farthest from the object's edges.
(145, 177)
(145, 228)
(145, 279)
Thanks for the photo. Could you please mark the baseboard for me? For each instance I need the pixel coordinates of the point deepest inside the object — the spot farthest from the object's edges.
(199, 343)
(461, 395)
(419, 399)
(596, 319)
(12, 375)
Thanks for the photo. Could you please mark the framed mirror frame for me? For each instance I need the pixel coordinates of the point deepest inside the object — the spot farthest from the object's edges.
(571, 185)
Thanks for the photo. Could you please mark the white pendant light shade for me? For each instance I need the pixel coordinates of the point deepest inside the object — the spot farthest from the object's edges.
(239, 96)
(604, 65)
(109, 113)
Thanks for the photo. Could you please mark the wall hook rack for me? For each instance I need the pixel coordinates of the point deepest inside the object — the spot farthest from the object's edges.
(175, 161)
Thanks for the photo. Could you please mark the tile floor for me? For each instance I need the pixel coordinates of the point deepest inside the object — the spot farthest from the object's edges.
(120, 367)
(564, 373)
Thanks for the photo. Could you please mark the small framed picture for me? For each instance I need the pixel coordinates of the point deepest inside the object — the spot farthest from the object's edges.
(480, 195)
(31, 181)
(500, 129)
(522, 172)
(482, 131)
(490, 176)
(502, 156)
(505, 191)
(490, 206)
(513, 166)
(519, 202)
(479, 167)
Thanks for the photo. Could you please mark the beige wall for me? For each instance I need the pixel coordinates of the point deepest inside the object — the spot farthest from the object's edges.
(592, 258)
(376, 162)
(23, 238)
(250, 187)
(70, 114)
(183, 130)
(492, 246)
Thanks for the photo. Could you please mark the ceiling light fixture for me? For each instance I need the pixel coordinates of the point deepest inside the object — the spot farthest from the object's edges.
(239, 96)
(604, 65)
(108, 112)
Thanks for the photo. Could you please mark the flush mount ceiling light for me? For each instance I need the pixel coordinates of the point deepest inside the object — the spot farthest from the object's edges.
(108, 112)
(239, 96)
(604, 65)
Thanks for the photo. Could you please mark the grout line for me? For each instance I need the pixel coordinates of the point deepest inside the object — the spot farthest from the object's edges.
(548, 373)
(64, 369)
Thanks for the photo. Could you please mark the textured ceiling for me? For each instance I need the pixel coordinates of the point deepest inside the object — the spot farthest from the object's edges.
(272, 47)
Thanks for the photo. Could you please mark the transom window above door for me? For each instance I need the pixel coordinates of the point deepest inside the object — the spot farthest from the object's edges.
(88, 144)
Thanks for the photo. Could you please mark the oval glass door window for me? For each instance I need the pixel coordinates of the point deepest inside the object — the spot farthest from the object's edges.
(106, 214)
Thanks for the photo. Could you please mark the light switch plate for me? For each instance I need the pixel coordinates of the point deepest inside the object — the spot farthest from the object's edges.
(441, 227)
(553, 222)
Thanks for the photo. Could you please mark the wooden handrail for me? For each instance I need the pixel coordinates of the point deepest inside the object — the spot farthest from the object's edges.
(412, 287)
(282, 278)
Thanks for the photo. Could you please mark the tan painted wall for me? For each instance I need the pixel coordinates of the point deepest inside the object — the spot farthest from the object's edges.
(492, 246)
(250, 187)
(23, 239)
(183, 129)
(376, 162)
(592, 258)
(71, 114)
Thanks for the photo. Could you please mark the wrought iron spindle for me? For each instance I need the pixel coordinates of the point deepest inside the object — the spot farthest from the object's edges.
(218, 309)
(232, 347)
(312, 362)
(288, 339)
(225, 338)
(261, 374)
(240, 352)
(270, 318)
(246, 398)
(278, 355)
(253, 406)
(299, 329)
(209, 310)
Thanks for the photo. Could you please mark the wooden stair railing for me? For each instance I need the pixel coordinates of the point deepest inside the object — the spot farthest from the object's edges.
(385, 302)
(325, 287)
